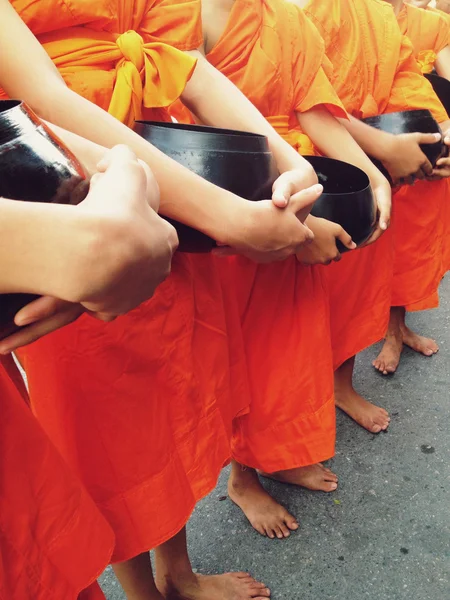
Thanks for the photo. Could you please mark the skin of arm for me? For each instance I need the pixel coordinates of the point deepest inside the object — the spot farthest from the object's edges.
(227, 218)
(331, 137)
(442, 64)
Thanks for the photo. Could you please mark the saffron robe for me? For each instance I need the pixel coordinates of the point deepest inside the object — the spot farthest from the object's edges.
(429, 32)
(140, 408)
(53, 540)
(274, 56)
(364, 43)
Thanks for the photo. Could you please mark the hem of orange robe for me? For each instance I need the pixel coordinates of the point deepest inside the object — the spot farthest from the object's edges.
(325, 452)
(350, 352)
(132, 550)
(409, 299)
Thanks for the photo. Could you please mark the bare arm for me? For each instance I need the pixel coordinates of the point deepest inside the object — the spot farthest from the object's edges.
(442, 64)
(332, 138)
(215, 100)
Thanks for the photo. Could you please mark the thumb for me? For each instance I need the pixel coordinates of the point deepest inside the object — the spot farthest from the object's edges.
(384, 205)
(428, 138)
(305, 198)
(346, 239)
(39, 309)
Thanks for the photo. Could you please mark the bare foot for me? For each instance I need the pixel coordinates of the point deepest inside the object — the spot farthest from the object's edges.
(231, 586)
(313, 477)
(264, 513)
(371, 417)
(418, 343)
(389, 358)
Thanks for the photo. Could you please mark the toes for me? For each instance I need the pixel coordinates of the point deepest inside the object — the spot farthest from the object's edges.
(375, 428)
(292, 524)
(330, 487)
(284, 530)
(259, 528)
(269, 532)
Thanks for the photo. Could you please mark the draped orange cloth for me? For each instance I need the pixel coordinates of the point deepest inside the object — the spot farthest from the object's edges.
(53, 540)
(364, 44)
(140, 408)
(274, 56)
(429, 32)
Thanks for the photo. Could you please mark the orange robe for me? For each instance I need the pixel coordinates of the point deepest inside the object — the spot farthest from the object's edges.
(53, 540)
(364, 43)
(429, 32)
(140, 408)
(273, 54)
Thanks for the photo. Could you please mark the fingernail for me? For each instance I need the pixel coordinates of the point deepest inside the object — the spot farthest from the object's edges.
(353, 245)
(318, 188)
(437, 136)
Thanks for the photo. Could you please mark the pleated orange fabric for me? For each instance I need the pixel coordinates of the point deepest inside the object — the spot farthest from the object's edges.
(141, 408)
(274, 55)
(429, 32)
(364, 43)
(53, 540)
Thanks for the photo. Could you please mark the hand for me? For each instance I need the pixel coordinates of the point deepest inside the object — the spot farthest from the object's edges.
(322, 250)
(442, 169)
(403, 157)
(266, 233)
(383, 198)
(291, 182)
(39, 318)
(133, 253)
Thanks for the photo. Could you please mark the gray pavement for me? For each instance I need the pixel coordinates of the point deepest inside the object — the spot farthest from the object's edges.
(385, 533)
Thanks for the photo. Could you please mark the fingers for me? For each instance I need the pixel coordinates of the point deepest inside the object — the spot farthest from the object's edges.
(301, 204)
(384, 204)
(428, 138)
(118, 154)
(33, 332)
(290, 182)
(346, 240)
(39, 309)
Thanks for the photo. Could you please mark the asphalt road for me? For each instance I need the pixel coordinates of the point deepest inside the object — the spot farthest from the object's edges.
(385, 533)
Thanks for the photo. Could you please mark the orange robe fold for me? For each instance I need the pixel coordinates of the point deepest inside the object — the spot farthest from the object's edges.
(429, 32)
(53, 540)
(140, 408)
(274, 56)
(364, 43)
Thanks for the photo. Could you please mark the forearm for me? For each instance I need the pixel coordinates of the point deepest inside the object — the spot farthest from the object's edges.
(332, 138)
(43, 248)
(373, 141)
(215, 100)
(442, 64)
(184, 196)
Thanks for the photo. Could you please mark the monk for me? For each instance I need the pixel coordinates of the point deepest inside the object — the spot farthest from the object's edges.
(291, 424)
(53, 540)
(360, 294)
(429, 32)
(136, 407)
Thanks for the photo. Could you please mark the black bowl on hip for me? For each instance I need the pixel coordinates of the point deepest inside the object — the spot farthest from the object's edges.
(441, 87)
(237, 161)
(410, 121)
(347, 198)
(35, 166)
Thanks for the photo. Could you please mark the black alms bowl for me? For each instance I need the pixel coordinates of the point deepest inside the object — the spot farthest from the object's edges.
(411, 121)
(441, 87)
(34, 166)
(347, 198)
(237, 161)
